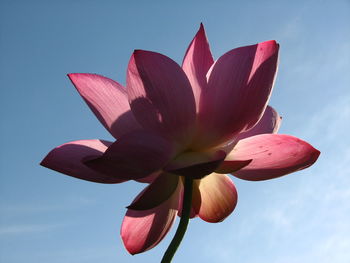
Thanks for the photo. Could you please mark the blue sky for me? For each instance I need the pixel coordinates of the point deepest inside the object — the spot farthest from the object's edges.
(49, 217)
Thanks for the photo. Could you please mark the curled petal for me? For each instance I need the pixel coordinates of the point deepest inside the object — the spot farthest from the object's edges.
(161, 96)
(108, 101)
(239, 86)
(156, 193)
(269, 123)
(218, 197)
(272, 155)
(69, 159)
(143, 230)
(133, 156)
(197, 61)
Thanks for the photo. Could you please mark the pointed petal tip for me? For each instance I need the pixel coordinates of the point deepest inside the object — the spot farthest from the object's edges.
(270, 44)
(43, 162)
(73, 76)
(314, 156)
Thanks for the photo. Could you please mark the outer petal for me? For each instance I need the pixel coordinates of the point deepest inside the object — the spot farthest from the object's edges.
(273, 155)
(160, 95)
(108, 101)
(239, 87)
(218, 197)
(69, 159)
(197, 61)
(270, 122)
(157, 192)
(135, 155)
(143, 230)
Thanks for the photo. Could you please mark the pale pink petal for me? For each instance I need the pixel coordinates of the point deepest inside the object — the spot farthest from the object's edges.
(133, 156)
(218, 197)
(269, 123)
(239, 86)
(196, 165)
(272, 155)
(161, 96)
(69, 159)
(197, 61)
(143, 230)
(108, 101)
(157, 192)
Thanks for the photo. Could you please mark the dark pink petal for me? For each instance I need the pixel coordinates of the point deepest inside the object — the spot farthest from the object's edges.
(156, 193)
(269, 123)
(108, 101)
(143, 230)
(161, 96)
(133, 156)
(272, 155)
(150, 178)
(218, 197)
(197, 61)
(239, 87)
(69, 159)
(196, 165)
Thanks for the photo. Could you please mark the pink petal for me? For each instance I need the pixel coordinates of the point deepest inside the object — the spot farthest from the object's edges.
(108, 101)
(133, 156)
(156, 193)
(197, 61)
(69, 159)
(218, 197)
(239, 87)
(269, 123)
(272, 155)
(161, 96)
(196, 165)
(143, 230)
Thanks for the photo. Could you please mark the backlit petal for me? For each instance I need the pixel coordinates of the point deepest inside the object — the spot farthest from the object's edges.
(69, 159)
(108, 101)
(142, 230)
(272, 155)
(161, 96)
(197, 61)
(218, 197)
(269, 123)
(239, 87)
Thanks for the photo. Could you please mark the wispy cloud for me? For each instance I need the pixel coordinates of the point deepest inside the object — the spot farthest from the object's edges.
(67, 203)
(28, 229)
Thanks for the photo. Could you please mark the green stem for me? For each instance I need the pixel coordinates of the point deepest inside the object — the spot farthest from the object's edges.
(185, 217)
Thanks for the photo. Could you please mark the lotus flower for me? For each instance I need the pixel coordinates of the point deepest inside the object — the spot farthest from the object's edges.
(203, 120)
